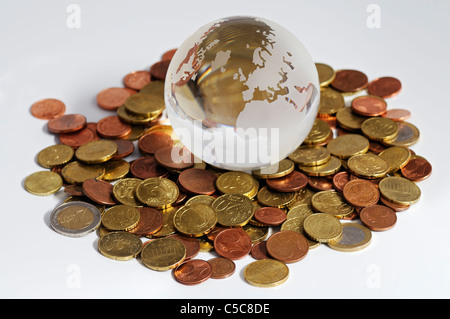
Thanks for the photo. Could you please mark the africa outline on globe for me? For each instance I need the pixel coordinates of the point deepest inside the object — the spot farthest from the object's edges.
(242, 93)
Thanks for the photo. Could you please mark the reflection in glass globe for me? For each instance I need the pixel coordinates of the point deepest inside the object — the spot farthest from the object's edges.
(242, 93)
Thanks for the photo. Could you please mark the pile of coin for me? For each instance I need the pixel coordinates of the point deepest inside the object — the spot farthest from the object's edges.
(350, 177)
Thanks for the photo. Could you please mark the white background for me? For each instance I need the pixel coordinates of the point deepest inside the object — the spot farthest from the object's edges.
(42, 57)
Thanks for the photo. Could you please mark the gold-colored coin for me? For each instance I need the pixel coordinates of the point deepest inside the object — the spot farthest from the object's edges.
(55, 155)
(168, 227)
(399, 190)
(396, 156)
(408, 134)
(349, 120)
(268, 197)
(300, 211)
(116, 169)
(96, 152)
(326, 74)
(233, 209)
(144, 104)
(379, 128)
(322, 228)
(331, 101)
(120, 245)
(326, 169)
(280, 169)
(235, 182)
(319, 133)
(43, 183)
(310, 155)
(368, 165)
(296, 224)
(153, 88)
(121, 217)
(134, 119)
(157, 192)
(332, 203)
(354, 237)
(347, 145)
(137, 131)
(266, 273)
(124, 191)
(256, 233)
(163, 254)
(200, 199)
(195, 220)
(303, 196)
(77, 173)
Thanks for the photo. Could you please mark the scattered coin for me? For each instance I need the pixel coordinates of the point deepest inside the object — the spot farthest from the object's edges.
(48, 109)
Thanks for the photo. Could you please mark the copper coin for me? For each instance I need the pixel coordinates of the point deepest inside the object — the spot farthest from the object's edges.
(287, 246)
(124, 148)
(78, 138)
(93, 127)
(221, 267)
(193, 272)
(192, 245)
(198, 181)
(216, 230)
(292, 182)
(158, 70)
(397, 114)
(181, 198)
(137, 79)
(384, 87)
(112, 98)
(361, 193)
(112, 127)
(74, 190)
(340, 179)
(369, 105)
(168, 55)
(378, 217)
(233, 243)
(146, 167)
(395, 207)
(67, 123)
(417, 169)
(320, 183)
(376, 147)
(150, 221)
(48, 109)
(99, 191)
(270, 216)
(259, 250)
(174, 157)
(350, 81)
(151, 142)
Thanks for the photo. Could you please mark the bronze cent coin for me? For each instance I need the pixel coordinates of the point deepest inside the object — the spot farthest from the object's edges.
(151, 142)
(193, 272)
(150, 222)
(124, 148)
(292, 182)
(198, 181)
(417, 169)
(158, 70)
(111, 99)
(378, 217)
(287, 246)
(397, 114)
(259, 250)
(99, 191)
(78, 138)
(270, 216)
(320, 183)
(112, 127)
(361, 193)
(369, 105)
(384, 87)
(66, 123)
(221, 267)
(233, 243)
(176, 158)
(137, 79)
(340, 179)
(146, 167)
(349, 81)
(48, 109)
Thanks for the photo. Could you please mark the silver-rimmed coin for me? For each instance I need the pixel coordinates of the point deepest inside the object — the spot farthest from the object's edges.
(75, 219)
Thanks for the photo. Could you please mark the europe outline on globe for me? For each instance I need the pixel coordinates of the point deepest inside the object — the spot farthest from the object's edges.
(242, 93)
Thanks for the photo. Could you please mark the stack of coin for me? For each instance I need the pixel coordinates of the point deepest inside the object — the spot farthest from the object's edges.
(350, 176)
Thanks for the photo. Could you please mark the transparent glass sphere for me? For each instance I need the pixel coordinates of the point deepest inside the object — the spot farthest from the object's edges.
(242, 93)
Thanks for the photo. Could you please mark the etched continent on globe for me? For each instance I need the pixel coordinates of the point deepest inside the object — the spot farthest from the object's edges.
(247, 87)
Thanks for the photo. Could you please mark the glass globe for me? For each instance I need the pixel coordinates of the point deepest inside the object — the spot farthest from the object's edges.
(242, 93)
